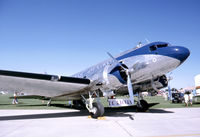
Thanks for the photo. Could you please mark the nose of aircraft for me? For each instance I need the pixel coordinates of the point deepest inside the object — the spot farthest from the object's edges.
(181, 53)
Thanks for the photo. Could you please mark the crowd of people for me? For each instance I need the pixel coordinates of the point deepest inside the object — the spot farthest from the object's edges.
(176, 97)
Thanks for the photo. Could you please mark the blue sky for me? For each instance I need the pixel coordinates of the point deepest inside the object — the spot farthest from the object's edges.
(66, 36)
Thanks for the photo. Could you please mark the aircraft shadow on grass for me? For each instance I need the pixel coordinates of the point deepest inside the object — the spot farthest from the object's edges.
(6, 104)
(110, 112)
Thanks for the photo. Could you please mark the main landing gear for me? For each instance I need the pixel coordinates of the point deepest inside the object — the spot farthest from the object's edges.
(142, 105)
(96, 109)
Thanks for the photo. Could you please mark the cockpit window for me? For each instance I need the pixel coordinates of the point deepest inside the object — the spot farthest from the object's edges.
(152, 48)
(162, 45)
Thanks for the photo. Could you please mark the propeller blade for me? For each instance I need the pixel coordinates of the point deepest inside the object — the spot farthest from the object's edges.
(130, 88)
(116, 61)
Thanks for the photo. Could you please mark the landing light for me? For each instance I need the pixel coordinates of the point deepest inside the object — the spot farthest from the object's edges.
(176, 49)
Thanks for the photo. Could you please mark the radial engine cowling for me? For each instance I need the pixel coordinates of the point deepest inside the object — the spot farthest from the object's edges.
(114, 77)
(158, 83)
(120, 73)
(163, 81)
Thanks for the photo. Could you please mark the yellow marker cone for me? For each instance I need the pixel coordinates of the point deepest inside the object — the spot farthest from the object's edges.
(101, 118)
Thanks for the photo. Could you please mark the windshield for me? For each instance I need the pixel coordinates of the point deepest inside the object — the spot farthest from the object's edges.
(162, 45)
(152, 48)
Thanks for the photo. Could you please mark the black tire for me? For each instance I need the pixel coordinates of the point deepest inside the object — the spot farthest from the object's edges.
(99, 110)
(143, 107)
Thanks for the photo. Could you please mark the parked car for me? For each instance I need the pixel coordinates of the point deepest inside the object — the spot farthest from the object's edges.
(177, 97)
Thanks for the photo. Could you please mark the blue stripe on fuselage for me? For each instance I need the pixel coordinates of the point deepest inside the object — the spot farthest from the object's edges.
(177, 52)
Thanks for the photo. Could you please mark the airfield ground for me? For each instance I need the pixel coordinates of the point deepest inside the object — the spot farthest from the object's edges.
(173, 122)
(31, 118)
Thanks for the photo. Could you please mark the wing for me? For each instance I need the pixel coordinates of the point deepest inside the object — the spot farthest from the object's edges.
(41, 84)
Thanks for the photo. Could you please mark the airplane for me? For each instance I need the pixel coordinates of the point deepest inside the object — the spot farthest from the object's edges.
(140, 69)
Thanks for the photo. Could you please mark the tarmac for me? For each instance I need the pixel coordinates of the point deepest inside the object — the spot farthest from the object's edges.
(173, 122)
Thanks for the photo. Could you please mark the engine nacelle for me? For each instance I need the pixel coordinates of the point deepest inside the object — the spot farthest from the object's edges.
(158, 83)
(161, 82)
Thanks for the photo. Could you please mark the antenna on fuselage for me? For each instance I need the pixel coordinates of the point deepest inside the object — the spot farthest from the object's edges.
(147, 41)
(139, 45)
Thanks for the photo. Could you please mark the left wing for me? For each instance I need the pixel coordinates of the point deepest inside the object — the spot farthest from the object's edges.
(41, 84)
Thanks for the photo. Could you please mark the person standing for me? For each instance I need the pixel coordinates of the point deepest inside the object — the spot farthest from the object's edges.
(165, 96)
(15, 101)
(186, 99)
(190, 98)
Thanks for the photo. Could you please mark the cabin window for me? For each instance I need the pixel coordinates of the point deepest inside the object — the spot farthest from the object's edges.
(162, 45)
(152, 48)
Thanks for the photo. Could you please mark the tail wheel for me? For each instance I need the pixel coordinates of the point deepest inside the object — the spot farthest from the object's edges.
(143, 107)
(99, 110)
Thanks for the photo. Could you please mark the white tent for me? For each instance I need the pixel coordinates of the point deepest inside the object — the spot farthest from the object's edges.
(197, 84)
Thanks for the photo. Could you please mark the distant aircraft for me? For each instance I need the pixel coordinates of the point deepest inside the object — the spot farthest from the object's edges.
(140, 69)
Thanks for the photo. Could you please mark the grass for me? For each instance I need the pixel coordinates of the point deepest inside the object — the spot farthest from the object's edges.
(6, 103)
(168, 104)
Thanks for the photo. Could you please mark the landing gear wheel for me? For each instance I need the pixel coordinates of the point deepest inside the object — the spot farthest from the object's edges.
(99, 110)
(143, 107)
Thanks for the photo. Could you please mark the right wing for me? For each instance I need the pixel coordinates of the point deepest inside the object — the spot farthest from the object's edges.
(41, 84)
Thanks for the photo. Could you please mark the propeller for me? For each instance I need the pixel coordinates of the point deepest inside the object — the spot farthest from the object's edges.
(128, 73)
(116, 61)
(130, 88)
